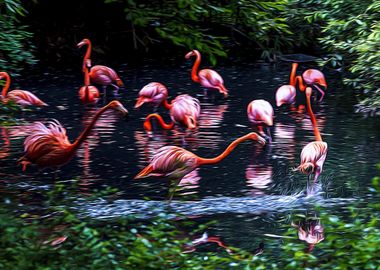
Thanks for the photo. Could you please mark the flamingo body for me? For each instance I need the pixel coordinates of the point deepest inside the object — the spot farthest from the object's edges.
(260, 112)
(21, 97)
(314, 77)
(104, 76)
(313, 156)
(285, 94)
(206, 77)
(185, 111)
(48, 145)
(154, 93)
(88, 94)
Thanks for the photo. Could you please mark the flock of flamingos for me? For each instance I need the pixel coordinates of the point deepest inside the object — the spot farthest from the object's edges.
(48, 145)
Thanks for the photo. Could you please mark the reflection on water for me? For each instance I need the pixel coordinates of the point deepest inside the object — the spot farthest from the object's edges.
(116, 151)
(310, 230)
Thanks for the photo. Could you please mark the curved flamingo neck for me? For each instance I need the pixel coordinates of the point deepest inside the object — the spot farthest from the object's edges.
(166, 104)
(226, 152)
(83, 136)
(312, 117)
(293, 74)
(7, 84)
(148, 126)
(194, 71)
(301, 84)
(87, 55)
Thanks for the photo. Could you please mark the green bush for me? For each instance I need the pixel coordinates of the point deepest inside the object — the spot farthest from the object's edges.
(15, 46)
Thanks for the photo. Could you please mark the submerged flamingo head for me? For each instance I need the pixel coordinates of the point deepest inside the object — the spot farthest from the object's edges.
(256, 137)
(117, 106)
(85, 41)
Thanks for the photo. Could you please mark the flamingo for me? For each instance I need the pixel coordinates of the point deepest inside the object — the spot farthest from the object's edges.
(260, 113)
(88, 93)
(184, 111)
(154, 93)
(286, 94)
(99, 74)
(48, 146)
(21, 97)
(175, 162)
(206, 77)
(310, 77)
(314, 154)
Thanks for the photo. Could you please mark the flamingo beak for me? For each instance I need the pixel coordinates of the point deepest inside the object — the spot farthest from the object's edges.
(80, 44)
(145, 172)
(189, 54)
(261, 140)
(123, 110)
(140, 102)
(191, 122)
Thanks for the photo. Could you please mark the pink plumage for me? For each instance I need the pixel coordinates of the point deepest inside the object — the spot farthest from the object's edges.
(154, 93)
(313, 157)
(285, 94)
(185, 111)
(21, 97)
(206, 77)
(104, 76)
(260, 112)
(314, 77)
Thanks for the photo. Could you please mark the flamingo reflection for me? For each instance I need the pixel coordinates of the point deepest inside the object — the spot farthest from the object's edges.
(5, 148)
(258, 177)
(285, 133)
(311, 231)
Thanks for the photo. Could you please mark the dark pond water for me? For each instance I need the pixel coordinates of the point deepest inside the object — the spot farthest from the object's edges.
(249, 194)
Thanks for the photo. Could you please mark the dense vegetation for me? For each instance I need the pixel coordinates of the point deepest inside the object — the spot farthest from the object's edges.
(347, 33)
(61, 240)
(15, 39)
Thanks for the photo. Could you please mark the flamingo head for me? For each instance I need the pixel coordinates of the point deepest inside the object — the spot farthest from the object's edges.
(140, 101)
(306, 168)
(117, 106)
(3, 75)
(191, 53)
(322, 82)
(256, 137)
(83, 42)
(190, 122)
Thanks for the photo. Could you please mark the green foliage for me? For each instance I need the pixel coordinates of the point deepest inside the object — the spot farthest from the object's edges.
(350, 31)
(209, 26)
(15, 47)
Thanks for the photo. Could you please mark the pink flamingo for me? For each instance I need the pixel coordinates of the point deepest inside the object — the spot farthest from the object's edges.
(310, 77)
(184, 111)
(21, 97)
(175, 162)
(154, 93)
(88, 93)
(206, 77)
(286, 94)
(48, 146)
(99, 74)
(260, 113)
(314, 154)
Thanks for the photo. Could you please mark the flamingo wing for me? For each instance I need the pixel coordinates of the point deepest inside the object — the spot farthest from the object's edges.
(47, 145)
(25, 98)
(103, 75)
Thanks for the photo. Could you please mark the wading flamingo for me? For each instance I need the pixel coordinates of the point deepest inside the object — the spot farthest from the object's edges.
(154, 93)
(260, 113)
(206, 77)
(310, 77)
(314, 154)
(99, 74)
(21, 97)
(175, 162)
(88, 93)
(184, 111)
(48, 146)
(286, 94)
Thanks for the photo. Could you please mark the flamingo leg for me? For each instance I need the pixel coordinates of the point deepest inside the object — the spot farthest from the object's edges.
(104, 92)
(269, 135)
(320, 90)
(172, 189)
(116, 90)
(316, 175)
